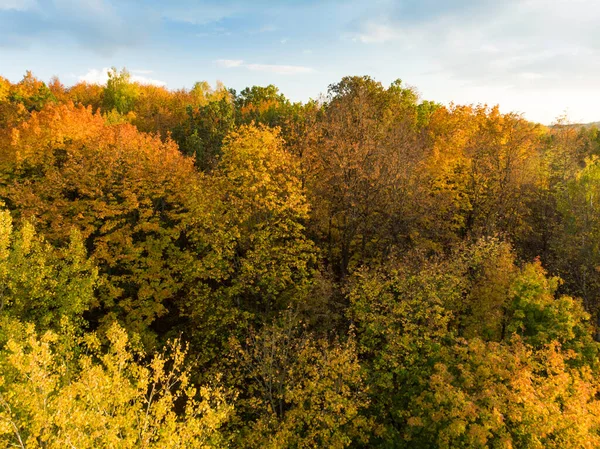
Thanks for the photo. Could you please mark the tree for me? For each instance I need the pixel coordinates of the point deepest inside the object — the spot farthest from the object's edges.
(18, 100)
(246, 228)
(120, 92)
(419, 322)
(401, 324)
(204, 131)
(32, 93)
(125, 192)
(575, 242)
(483, 395)
(4, 88)
(485, 166)
(41, 284)
(300, 391)
(543, 318)
(261, 105)
(361, 165)
(86, 94)
(56, 396)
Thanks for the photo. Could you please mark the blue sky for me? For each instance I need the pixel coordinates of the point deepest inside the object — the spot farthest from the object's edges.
(536, 57)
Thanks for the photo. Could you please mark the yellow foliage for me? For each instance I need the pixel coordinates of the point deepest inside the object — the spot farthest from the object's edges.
(55, 397)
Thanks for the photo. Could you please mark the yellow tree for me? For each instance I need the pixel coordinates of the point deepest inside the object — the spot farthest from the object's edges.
(246, 225)
(484, 167)
(54, 394)
(483, 395)
(86, 94)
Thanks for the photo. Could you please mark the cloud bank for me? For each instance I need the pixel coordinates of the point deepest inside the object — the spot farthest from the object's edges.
(517, 43)
(95, 76)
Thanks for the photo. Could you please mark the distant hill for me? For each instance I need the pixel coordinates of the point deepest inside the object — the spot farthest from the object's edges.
(579, 125)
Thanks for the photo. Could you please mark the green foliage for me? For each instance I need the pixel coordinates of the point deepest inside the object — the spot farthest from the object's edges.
(32, 93)
(205, 131)
(425, 110)
(264, 105)
(543, 319)
(577, 241)
(39, 283)
(401, 323)
(120, 92)
(301, 392)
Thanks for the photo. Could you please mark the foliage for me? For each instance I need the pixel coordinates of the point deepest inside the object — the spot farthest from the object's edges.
(42, 284)
(361, 165)
(302, 392)
(120, 92)
(53, 396)
(246, 227)
(123, 190)
(368, 269)
(484, 395)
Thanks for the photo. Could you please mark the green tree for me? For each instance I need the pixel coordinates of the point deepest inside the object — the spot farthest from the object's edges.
(542, 318)
(203, 134)
(120, 92)
(576, 240)
(32, 93)
(39, 283)
(401, 323)
(300, 391)
(261, 105)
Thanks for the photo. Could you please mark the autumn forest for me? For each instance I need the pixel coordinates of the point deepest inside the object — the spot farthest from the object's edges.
(206, 268)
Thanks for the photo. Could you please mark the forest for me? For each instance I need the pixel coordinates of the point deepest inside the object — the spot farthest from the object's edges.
(206, 268)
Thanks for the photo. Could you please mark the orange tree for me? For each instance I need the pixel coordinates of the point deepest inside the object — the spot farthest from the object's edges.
(124, 190)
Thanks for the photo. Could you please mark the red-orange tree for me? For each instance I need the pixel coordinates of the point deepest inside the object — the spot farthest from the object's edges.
(124, 190)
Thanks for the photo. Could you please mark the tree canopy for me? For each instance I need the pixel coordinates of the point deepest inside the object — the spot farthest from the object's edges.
(202, 268)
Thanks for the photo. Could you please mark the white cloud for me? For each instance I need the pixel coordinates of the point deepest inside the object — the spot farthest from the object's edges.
(377, 33)
(17, 5)
(229, 63)
(279, 69)
(267, 29)
(95, 76)
(142, 72)
(270, 68)
(528, 55)
(531, 76)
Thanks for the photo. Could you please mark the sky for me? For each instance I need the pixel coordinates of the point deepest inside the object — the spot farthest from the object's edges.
(540, 58)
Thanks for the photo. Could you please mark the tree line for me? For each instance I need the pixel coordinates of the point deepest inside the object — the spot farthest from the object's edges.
(206, 268)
